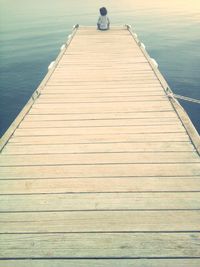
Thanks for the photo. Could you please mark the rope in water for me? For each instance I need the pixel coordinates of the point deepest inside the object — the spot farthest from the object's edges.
(189, 99)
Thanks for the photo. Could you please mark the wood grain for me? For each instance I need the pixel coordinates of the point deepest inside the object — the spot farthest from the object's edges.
(100, 185)
(103, 263)
(102, 169)
(100, 201)
(105, 245)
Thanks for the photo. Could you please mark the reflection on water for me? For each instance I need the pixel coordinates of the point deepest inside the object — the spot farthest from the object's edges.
(32, 32)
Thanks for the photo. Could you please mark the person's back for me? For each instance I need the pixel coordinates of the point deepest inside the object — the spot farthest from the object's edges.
(103, 22)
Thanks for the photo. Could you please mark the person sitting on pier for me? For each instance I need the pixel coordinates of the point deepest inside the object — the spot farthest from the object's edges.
(103, 22)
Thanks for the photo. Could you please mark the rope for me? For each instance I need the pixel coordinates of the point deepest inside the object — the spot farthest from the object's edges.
(189, 99)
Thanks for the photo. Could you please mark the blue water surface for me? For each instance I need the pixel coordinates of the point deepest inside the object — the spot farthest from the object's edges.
(31, 33)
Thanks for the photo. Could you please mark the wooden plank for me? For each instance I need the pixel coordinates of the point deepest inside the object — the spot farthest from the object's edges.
(98, 44)
(136, 59)
(88, 81)
(99, 40)
(99, 148)
(99, 221)
(105, 75)
(106, 79)
(84, 75)
(106, 86)
(98, 123)
(100, 107)
(74, 52)
(100, 201)
(78, 90)
(130, 45)
(100, 82)
(101, 171)
(92, 64)
(81, 139)
(104, 116)
(77, 49)
(103, 263)
(104, 66)
(103, 72)
(106, 43)
(100, 130)
(95, 35)
(68, 99)
(100, 185)
(111, 82)
(30, 121)
(98, 158)
(131, 70)
(129, 65)
(137, 106)
(74, 87)
(109, 41)
(123, 75)
(114, 57)
(110, 53)
(92, 121)
(92, 39)
(90, 42)
(118, 245)
(100, 94)
(66, 72)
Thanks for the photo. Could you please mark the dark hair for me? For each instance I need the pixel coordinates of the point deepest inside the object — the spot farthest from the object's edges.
(103, 11)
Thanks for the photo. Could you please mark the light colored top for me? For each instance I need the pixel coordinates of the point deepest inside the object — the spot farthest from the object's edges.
(103, 22)
(100, 156)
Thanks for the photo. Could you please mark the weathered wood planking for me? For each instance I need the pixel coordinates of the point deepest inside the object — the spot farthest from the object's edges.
(106, 138)
(101, 245)
(103, 201)
(98, 158)
(98, 123)
(103, 116)
(99, 147)
(177, 128)
(99, 221)
(103, 263)
(103, 169)
(100, 185)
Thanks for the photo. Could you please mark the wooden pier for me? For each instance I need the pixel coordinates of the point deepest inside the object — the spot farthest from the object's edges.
(101, 168)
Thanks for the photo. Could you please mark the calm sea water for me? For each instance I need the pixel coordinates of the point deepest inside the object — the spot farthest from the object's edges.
(31, 33)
